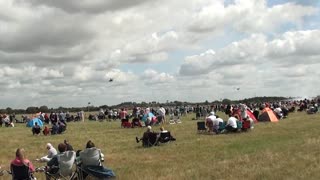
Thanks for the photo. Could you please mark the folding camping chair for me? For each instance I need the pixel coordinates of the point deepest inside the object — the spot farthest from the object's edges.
(20, 172)
(90, 164)
(165, 137)
(96, 172)
(66, 162)
(201, 127)
(150, 140)
(88, 157)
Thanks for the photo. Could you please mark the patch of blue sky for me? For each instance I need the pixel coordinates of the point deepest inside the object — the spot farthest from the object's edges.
(171, 65)
(312, 22)
(228, 2)
(218, 42)
(302, 2)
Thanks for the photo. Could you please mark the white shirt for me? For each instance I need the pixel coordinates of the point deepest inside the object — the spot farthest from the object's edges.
(278, 110)
(215, 122)
(211, 117)
(232, 121)
(162, 111)
(52, 152)
(219, 120)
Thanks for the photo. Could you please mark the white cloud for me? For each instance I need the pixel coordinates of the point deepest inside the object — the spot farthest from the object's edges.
(120, 77)
(151, 76)
(83, 73)
(279, 66)
(65, 52)
(242, 52)
(248, 16)
(297, 43)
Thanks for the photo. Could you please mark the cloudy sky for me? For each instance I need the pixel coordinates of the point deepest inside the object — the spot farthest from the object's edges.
(63, 53)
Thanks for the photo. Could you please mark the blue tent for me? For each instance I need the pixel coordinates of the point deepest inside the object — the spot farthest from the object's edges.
(145, 116)
(32, 122)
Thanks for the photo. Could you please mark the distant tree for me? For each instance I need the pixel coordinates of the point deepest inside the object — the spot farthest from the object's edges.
(9, 110)
(44, 109)
(226, 101)
(104, 107)
(178, 103)
(32, 110)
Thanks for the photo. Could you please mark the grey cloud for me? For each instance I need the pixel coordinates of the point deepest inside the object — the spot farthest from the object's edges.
(41, 35)
(87, 6)
(189, 70)
(38, 59)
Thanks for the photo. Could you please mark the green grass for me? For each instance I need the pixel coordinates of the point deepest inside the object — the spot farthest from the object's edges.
(289, 149)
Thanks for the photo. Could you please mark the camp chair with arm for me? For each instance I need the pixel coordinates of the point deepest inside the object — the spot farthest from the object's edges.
(90, 156)
(91, 165)
(165, 137)
(95, 172)
(20, 172)
(66, 161)
(151, 139)
(201, 127)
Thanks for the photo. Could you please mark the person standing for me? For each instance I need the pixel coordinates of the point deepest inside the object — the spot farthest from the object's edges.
(82, 115)
(123, 115)
(162, 115)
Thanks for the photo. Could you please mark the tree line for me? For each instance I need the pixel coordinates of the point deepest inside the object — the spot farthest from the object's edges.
(44, 108)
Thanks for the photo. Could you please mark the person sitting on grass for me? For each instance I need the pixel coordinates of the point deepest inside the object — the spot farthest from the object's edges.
(36, 129)
(54, 128)
(91, 155)
(162, 138)
(136, 122)
(232, 124)
(90, 161)
(51, 152)
(149, 138)
(53, 164)
(69, 147)
(22, 160)
(216, 124)
(162, 130)
(210, 120)
(46, 131)
(61, 127)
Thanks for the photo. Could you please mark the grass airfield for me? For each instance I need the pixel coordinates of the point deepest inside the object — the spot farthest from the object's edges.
(289, 149)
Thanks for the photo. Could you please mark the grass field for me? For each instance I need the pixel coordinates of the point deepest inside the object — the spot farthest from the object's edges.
(289, 149)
